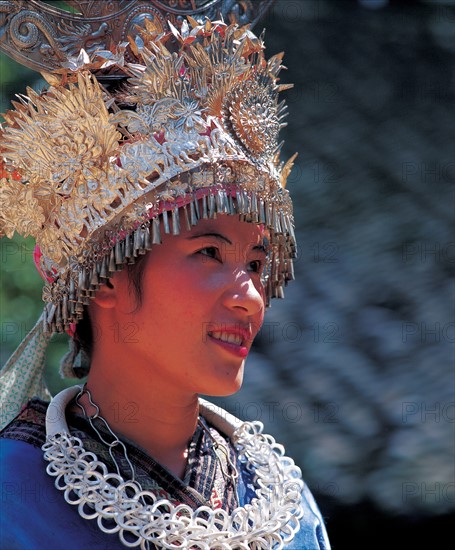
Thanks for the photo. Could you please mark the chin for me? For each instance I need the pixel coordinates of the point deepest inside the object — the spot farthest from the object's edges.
(226, 392)
(226, 385)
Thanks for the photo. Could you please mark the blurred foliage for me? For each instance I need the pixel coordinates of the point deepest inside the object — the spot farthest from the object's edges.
(61, 5)
(14, 79)
(21, 305)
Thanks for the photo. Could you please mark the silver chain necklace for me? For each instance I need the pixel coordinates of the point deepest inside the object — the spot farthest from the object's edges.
(142, 518)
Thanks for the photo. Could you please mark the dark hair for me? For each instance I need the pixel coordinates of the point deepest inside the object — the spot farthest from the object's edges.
(84, 329)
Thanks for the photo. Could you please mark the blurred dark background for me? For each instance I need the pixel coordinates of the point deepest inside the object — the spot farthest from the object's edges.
(354, 371)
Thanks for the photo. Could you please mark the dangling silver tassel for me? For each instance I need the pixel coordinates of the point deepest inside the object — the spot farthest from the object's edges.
(88, 278)
(112, 262)
(273, 275)
(58, 317)
(175, 221)
(166, 222)
(291, 230)
(290, 270)
(103, 269)
(81, 282)
(254, 202)
(156, 236)
(238, 197)
(274, 220)
(281, 229)
(195, 202)
(65, 309)
(248, 209)
(50, 312)
(254, 208)
(94, 281)
(193, 214)
(276, 272)
(212, 204)
(119, 258)
(284, 225)
(262, 218)
(281, 259)
(241, 203)
(218, 201)
(204, 207)
(268, 215)
(72, 294)
(187, 219)
(137, 241)
(128, 247)
(231, 204)
(226, 206)
(147, 239)
(245, 209)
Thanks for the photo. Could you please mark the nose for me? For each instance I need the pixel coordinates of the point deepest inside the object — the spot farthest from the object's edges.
(243, 294)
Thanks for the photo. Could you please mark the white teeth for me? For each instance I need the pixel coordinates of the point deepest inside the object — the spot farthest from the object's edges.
(227, 337)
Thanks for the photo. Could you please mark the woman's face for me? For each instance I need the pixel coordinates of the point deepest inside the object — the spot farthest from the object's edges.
(202, 305)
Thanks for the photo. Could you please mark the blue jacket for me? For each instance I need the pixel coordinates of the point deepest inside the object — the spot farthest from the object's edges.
(35, 516)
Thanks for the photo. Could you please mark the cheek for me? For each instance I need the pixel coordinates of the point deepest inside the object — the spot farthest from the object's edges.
(176, 293)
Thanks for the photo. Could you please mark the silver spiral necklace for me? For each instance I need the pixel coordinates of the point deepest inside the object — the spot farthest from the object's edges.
(142, 518)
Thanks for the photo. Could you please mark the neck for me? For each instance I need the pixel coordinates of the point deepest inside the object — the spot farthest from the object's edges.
(147, 412)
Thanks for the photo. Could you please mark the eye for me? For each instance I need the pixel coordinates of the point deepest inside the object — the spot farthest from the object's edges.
(210, 252)
(256, 266)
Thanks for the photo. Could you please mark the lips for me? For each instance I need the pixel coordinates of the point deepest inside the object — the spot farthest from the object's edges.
(233, 334)
(229, 337)
(233, 339)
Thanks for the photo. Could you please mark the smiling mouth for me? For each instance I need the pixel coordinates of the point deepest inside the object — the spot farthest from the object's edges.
(228, 337)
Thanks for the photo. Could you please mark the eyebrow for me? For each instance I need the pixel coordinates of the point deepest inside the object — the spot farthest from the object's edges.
(222, 238)
(209, 234)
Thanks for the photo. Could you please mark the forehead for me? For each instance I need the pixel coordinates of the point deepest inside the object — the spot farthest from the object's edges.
(230, 227)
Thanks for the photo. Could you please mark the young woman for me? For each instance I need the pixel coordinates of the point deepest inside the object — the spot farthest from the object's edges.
(163, 229)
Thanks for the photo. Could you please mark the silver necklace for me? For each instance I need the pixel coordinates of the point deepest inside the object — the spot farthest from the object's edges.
(142, 518)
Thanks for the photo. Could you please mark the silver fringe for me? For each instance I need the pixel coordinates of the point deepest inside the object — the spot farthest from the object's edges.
(68, 307)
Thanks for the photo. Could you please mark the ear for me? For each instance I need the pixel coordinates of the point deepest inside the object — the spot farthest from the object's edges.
(106, 295)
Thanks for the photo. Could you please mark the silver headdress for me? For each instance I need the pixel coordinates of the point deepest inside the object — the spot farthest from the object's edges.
(174, 116)
(88, 172)
(44, 37)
